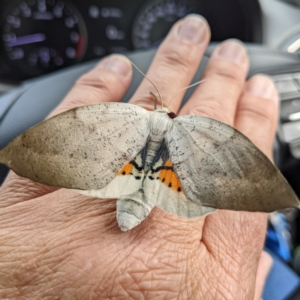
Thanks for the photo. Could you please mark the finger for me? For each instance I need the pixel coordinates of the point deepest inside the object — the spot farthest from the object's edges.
(264, 266)
(223, 78)
(240, 235)
(175, 63)
(107, 82)
(257, 112)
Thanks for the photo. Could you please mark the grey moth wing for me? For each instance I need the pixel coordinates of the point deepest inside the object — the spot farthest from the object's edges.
(219, 167)
(82, 148)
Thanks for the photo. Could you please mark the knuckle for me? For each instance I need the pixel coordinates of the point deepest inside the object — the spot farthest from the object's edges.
(99, 81)
(230, 72)
(212, 109)
(261, 111)
(92, 88)
(260, 130)
(179, 58)
(258, 117)
(232, 80)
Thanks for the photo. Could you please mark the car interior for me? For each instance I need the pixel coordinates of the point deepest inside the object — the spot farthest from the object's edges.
(45, 45)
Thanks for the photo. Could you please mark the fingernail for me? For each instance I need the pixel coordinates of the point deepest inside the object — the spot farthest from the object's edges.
(116, 63)
(261, 86)
(194, 29)
(232, 51)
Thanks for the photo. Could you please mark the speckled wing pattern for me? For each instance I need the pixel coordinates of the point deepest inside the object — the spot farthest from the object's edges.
(162, 184)
(127, 181)
(219, 167)
(83, 148)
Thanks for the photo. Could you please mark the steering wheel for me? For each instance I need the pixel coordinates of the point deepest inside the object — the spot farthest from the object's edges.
(35, 99)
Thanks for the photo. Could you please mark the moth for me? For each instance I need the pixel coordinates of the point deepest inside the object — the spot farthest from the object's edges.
(186, 165)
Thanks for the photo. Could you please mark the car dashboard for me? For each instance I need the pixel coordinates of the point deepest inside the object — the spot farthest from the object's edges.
(42, 36)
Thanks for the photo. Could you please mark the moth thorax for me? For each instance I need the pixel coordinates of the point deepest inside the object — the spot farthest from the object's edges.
(132, 210)
(159, 124)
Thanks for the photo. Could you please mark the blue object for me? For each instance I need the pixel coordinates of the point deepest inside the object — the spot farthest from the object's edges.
(278, 236)
(282, 281)
(278, 245)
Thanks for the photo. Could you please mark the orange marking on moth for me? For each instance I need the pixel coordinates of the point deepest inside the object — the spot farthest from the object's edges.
(168, 163)
(126, 170)
(169, 178)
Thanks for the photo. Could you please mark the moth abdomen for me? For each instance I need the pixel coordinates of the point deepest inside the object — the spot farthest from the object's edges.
(132, 210)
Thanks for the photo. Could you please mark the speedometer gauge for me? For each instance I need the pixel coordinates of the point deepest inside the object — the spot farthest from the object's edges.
(42, 35)
(155, 20)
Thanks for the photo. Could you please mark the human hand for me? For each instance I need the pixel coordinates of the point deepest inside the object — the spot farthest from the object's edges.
(55, 243)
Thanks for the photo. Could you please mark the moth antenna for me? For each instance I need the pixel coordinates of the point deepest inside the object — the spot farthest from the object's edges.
(155, 103)
(162, 105)
(196, 83)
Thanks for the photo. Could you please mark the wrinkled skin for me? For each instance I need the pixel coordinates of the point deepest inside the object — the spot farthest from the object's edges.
(57, 244)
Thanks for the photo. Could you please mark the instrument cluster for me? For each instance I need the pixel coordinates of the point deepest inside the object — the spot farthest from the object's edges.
(40, 36)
